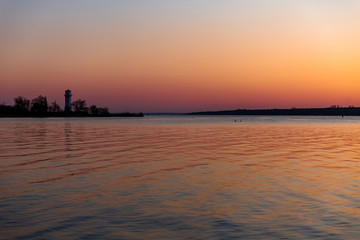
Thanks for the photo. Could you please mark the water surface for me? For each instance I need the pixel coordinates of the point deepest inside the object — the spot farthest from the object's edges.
(180, 177)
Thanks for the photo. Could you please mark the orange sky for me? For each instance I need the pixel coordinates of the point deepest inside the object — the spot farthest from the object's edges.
(181, 56)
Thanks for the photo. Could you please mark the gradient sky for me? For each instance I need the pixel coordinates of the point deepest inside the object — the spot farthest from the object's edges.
(184, 55)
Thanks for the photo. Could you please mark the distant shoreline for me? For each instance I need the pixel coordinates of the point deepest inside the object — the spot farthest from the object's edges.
(68, 115)
(331, 111)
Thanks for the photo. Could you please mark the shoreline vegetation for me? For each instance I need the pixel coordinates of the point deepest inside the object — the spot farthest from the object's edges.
(330, 111)
(39, 107)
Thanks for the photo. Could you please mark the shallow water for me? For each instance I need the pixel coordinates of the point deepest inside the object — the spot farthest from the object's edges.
(180, 177)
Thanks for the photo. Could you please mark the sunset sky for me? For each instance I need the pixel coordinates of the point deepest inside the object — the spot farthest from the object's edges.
(182, 55)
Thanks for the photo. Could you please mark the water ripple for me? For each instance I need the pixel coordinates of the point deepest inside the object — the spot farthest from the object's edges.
(179, 178)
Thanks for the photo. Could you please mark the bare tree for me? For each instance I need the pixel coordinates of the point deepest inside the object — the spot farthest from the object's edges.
(79, 106)
(54, 107)
(21, 104)
(39, 105)
(104, 111)
(94, 110)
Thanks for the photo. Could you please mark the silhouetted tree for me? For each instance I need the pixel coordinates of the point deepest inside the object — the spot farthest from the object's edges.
(54, 107)
(39, 105)
(79, 106)
(94, 110)
(21, 105)
(104, 111)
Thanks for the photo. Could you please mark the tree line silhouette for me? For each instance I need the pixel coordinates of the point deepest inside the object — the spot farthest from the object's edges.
(40, 106)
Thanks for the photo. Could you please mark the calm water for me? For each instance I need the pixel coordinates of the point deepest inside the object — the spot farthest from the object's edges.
(180, 178)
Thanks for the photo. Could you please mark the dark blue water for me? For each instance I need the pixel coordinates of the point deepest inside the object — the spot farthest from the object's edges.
(180, 178)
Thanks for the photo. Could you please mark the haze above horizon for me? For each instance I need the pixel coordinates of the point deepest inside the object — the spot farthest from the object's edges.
(182, 56)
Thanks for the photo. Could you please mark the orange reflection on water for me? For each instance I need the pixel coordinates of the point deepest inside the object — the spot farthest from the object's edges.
(196, 179)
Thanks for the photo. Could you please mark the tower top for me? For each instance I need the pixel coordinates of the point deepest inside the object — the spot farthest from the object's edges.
(68, 93)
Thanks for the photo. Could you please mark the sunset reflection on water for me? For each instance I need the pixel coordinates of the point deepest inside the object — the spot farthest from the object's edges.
(180, 178)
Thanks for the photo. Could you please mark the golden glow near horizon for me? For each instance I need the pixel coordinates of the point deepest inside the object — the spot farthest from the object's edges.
(183, 55)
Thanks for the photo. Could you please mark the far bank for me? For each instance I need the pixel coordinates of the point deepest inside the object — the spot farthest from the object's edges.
(331, 111)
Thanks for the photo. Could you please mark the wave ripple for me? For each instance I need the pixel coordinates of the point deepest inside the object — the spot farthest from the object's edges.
(179, 179)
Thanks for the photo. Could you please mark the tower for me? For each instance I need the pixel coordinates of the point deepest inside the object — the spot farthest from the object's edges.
(67, 100)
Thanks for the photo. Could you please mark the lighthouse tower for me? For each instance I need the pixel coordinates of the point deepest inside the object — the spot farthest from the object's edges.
(67, 100)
